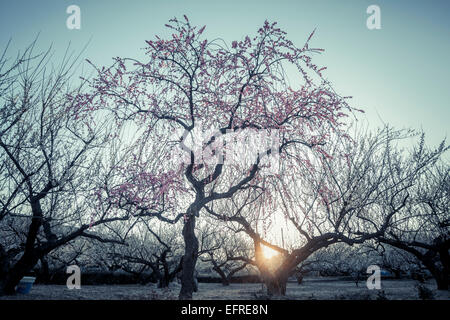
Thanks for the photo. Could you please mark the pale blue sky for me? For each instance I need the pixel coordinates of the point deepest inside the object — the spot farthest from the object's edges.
(398, 73)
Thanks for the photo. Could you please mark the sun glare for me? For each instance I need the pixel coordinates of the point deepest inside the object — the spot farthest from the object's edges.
(268, 252)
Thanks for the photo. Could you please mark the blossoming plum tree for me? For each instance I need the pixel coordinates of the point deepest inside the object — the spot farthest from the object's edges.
(187, 81)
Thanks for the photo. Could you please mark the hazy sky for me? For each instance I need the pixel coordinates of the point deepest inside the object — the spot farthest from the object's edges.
(398, 74)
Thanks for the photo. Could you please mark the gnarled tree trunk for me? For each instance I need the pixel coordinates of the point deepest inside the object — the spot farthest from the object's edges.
(4, 268)
(30, 256)
(18, 271)
(440, 275)
(223, 276)
(188, 285)
(443, 283)
(276, 286)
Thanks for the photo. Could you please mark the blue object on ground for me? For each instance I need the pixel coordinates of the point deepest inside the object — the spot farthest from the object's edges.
(25, 285)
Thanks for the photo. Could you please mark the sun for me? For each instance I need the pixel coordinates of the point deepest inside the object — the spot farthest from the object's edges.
(269, 253)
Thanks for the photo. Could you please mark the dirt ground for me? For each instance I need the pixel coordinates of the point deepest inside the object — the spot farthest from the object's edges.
(318, 289)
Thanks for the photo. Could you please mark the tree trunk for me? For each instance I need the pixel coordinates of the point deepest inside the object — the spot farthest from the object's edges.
(225, 281)
(45, 271)
(438, 274)
(222, 275)
(163, 282)
(18, 271)
(4, 268)
(30, 256)
(441, 281)
(445, 259)
(188, 285)
(299, 277)
(165, 277)
(276, 286)
(397, 273)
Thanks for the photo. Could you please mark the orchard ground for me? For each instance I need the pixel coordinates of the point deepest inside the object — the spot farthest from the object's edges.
(311, 288)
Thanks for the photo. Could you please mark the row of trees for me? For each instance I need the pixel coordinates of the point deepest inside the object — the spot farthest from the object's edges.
(100, 158)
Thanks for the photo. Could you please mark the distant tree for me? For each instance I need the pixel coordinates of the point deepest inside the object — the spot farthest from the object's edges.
(407, 189)
(222, 255)
(49, 160)
(398, 262)
(352, 195)
(344, 260)
(152, 246)
(422, 228)
(408, 193)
